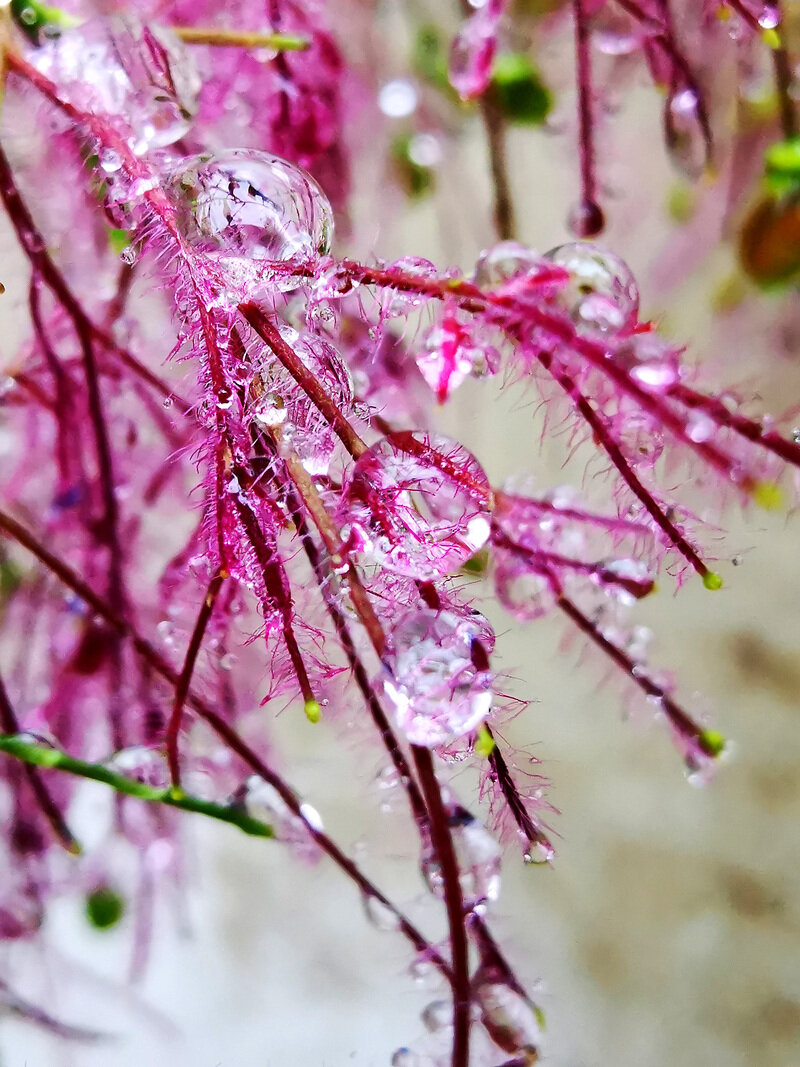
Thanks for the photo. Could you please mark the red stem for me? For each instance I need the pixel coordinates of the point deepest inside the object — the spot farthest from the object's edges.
(442, 842)
(185, 678)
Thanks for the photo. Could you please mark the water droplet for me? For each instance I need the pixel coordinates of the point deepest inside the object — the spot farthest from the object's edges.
(634, 579)
(473, 50)
(451, 353)
(110, 161)
(770, 17)
(602, 296)
(538, 852)
(142, 75)
(504, 261)
(312, 817)
(270, 410)
(246, 209)
(437, 692)
(425, 149)
(418, 504)
(144, 764)
(479, 859)
(650, 360)
(378, 914)
(521, 589)
(397, 98)
(437, 1016)
(512, 1021)
(128, 254)
(686, 142)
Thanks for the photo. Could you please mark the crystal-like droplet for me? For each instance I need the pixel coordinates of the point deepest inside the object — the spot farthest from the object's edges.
(506, 260)
(512, 1021)
(473, 50)
(437, 1015)
(538, 852)
(117, 66)
(451, 353)
(431, 677)
(418, 504)
(404, 1057)
(602, 296)
(478, 856)
(246, 208)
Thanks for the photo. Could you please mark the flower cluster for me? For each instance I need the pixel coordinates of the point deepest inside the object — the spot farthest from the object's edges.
(225, 490)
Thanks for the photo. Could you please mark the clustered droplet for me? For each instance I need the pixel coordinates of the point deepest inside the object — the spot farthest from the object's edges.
(117, 66)
(419, 504)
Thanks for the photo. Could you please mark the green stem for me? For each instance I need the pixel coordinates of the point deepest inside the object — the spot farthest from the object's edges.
(51, 758)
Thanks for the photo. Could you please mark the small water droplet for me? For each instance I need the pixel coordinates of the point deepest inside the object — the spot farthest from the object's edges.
(379, 914)
(437, 1016)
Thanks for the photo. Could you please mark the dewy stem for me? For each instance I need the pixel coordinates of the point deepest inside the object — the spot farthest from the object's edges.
(226, 733)
(269, 333)
(36, 755)
(442, 842)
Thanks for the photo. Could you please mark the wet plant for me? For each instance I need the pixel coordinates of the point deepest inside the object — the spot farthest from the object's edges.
(225, 494)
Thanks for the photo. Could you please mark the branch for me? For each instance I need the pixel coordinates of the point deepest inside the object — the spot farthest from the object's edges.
(43, 756)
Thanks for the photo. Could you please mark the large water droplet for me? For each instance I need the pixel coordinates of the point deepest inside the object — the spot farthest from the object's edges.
(602, 296)
(478, 856)
(245, 208)
(119, 67)
(432, 679)
(418, 504)
(522, 590)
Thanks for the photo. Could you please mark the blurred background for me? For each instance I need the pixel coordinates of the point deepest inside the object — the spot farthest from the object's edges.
(667, 931)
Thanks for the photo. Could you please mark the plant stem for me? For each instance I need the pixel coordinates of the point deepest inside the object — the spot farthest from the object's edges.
(442, 842)
(184, 681)
(43, 756)
(228, 735)
(223, 38)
